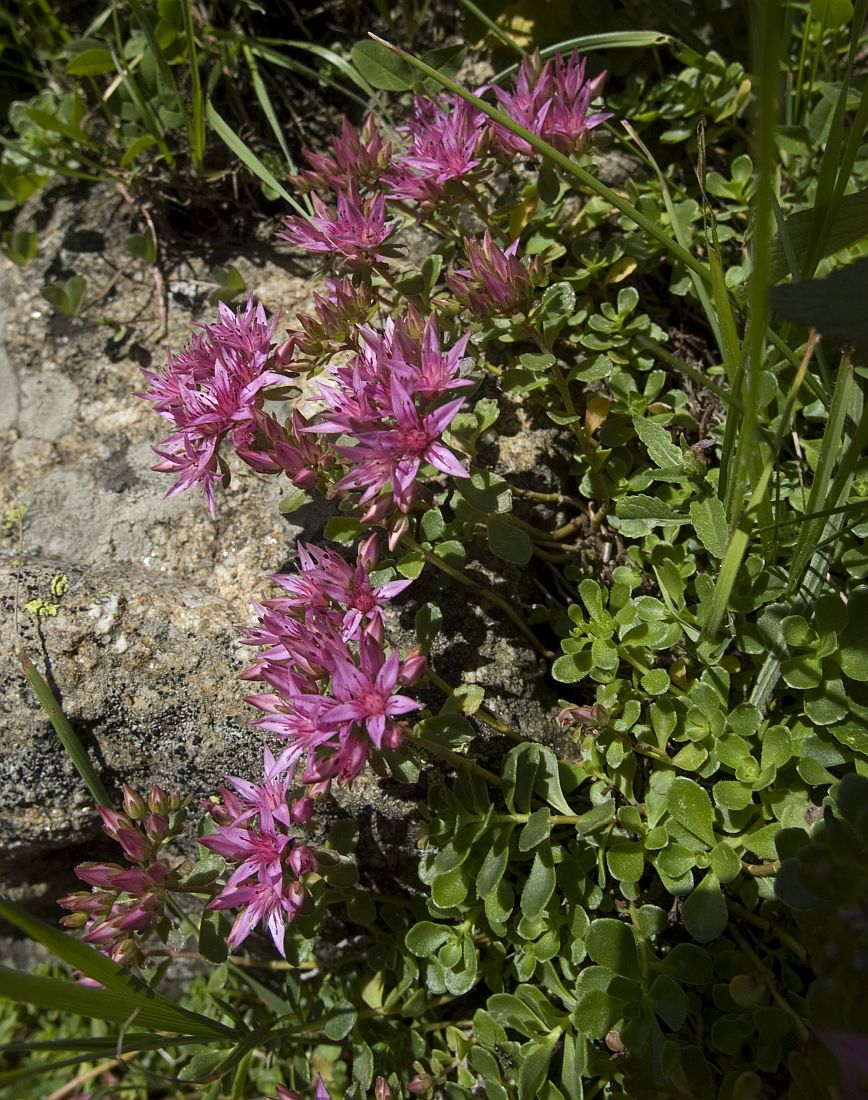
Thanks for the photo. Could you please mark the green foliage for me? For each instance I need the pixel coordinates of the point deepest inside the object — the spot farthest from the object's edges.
(641, 906)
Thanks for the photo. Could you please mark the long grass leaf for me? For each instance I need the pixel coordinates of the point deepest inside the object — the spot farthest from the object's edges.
(246, 155)
(105, 1004)
(740, 537)
(133, 993)
(608, 40)
(68, 737)
(197, 130)
(266, 105)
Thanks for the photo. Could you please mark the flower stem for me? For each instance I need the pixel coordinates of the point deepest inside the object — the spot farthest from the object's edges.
(480, 713)
(458, 761)
(483, 591)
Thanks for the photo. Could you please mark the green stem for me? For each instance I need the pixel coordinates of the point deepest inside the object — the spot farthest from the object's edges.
(768, 979)
(785, 938)
(458, 761)
(483, 591)
(480, 713)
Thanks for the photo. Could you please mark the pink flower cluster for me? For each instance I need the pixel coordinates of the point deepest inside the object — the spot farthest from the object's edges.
(211, 390)
(553, 101)
(255, 836)
(336, 694)
(127, 901)
(388, 398)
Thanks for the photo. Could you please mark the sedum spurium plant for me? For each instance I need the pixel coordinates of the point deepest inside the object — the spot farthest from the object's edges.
(660, 891)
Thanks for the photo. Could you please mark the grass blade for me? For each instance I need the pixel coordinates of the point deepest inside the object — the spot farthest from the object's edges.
(246, 155)
(130, 993)
(102, 1004)
(610, 40)
(266, 105)
(197, 130)
(487, 21)
(68, 737)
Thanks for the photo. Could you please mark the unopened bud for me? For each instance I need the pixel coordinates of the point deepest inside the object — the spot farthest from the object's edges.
(420, 1084)
(378, 510)
(369, 551)
(398, 527)
(158, 800)
(113, 822)
(156, 827)
(382, 1089)
(376, 630)
(412, 668)
(134, 804)
(301, 810)
(319, 791)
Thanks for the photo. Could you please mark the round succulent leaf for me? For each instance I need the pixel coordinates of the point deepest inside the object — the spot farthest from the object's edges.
(626, 860)
(725, 863)
(540, 883)
(803, 672)
(612, 943)
(669, 1001)
(690, 806)
(704, 912)
(450, 889)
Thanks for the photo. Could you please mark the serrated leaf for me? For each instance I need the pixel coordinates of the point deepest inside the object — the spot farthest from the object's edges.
(93, 62)
(658, 442)
(709, 522)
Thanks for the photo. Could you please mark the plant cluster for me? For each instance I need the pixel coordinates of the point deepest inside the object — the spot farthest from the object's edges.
(662, 892)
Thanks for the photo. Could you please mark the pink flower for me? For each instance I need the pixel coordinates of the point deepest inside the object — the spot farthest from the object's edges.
(359, 157)
(443, 151)
(497, 282)
(395, 453)
(334, 321)
(552, 101)
(210, 389)
(267, 902)
(365, 696)
(354, 235)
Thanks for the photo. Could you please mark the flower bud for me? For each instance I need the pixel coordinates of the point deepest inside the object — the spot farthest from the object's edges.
(412, 667)
(376, 630)
(302, 860)
(126, 952)
(369, 551)
(98, 874)
(113, 822)
(136, 847)
(134, 804)
(156, 827)
(378, 510)
(76, 921)
(158, 800)
(382, 1089)
(319, 790)
(398, 527)
(301, 810)
(421, 1083)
